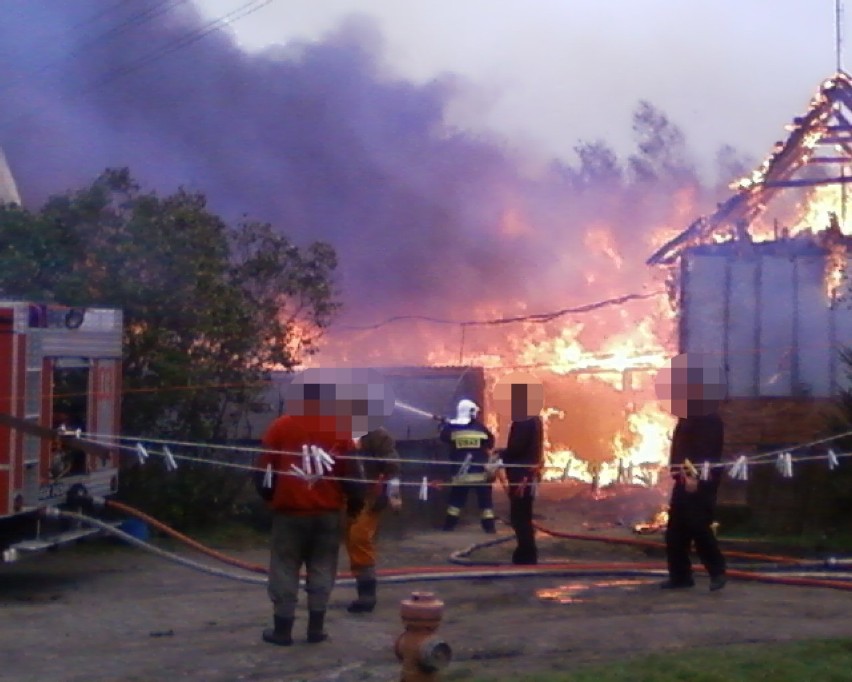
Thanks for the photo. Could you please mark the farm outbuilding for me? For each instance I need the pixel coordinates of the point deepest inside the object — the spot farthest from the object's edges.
(762, 285)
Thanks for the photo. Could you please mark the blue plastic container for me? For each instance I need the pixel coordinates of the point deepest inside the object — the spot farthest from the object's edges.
(138, 529)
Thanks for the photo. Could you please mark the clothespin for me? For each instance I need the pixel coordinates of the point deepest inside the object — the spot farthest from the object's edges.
(267, 477)
(534, 487)
(734, 471)
(705, 471)
(780, 463)
(171, 464)
(739, 470)
(306, 461)
(424, 490)
(465, 465)
(78, 433)
(833, 463)
(141, 452)
(566, 471)
(788, 465)
(322, 460)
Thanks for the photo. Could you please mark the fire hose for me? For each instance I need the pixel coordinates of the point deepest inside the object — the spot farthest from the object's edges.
(841, 580)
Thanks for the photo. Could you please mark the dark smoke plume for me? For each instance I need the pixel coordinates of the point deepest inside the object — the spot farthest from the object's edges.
(322, 140)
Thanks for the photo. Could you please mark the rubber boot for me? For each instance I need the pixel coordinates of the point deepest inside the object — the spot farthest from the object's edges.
(366, 601)
(316, 627)
(281, 634)
(489, 526)
(450, 522)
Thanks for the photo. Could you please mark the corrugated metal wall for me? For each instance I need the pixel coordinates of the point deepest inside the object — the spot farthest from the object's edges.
(768, 318)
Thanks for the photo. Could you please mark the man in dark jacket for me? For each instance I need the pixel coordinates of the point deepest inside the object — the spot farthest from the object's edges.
(695, 391)
(523, 459)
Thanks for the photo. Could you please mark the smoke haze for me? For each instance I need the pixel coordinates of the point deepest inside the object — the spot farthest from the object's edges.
(322, 140)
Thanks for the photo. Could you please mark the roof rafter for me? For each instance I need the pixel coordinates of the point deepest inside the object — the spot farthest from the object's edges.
(825, 124)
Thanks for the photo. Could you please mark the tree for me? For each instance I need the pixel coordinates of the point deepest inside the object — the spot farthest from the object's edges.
(599, 166)
(209, 310)
(662, 152)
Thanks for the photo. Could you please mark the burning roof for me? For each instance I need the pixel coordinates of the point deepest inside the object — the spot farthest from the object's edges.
(815, 154)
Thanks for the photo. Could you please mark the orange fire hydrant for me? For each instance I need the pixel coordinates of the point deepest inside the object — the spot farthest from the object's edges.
(422, 653)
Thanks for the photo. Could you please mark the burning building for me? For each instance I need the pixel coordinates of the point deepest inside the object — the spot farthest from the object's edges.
(762, 282)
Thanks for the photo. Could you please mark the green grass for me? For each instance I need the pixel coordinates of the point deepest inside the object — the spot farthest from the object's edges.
(823, 661)
(816, 541)
(233, 536)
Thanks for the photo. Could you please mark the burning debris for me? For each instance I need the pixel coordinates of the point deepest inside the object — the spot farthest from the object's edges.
(657, 523)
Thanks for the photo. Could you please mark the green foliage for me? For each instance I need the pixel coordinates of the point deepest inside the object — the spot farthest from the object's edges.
(208, 309)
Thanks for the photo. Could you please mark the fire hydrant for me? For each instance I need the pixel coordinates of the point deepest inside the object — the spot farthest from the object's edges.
(422, 653)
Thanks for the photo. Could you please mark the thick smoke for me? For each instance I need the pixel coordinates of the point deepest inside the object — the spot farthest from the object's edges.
(326, 143)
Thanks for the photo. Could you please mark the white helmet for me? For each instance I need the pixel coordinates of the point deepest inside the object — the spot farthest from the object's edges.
(466, 411)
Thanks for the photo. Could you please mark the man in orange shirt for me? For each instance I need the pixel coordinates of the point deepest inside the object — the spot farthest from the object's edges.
(307, 495)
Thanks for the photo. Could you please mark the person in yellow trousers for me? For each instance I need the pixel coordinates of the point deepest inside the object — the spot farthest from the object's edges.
(381, 466)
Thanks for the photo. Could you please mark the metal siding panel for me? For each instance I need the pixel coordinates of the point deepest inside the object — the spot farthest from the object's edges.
(742, 329)
(103, 419)
(814, 327)
(5, 493)
(776, 326)
(7, 339)
(116, 401)
(843, 331)
(705, 305)
(76, 343)
(46, 416)
(19, 400)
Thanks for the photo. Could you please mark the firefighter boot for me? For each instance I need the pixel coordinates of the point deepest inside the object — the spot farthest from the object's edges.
(316, 627)
(451, 520)
(281, 634)
(366, 601)
(487, 521)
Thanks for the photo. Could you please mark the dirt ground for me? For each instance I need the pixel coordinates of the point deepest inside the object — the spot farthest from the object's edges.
(101, 611)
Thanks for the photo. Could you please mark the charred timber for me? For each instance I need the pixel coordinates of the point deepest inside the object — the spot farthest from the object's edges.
(808, 183)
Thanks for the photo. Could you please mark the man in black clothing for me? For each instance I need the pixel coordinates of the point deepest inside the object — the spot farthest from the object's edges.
(695, 391)
(523, 459)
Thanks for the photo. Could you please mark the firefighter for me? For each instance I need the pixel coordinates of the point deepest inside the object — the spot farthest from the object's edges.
(523, 459)
(470, 444)
(698, 437)
(381, 468)
(307, 509)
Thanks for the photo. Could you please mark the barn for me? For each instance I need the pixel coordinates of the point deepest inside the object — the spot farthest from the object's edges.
(762, 284)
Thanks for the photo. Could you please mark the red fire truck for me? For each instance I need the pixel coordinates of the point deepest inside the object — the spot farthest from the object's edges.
(60, 382)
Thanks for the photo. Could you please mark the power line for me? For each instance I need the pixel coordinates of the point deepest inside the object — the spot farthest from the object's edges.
(186, 40)
(241, 12)
(134, 20)
(535, 317)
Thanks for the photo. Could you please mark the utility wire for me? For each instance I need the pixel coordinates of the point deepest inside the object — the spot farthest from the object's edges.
(186, 40)
(535, 317)
(134, 20)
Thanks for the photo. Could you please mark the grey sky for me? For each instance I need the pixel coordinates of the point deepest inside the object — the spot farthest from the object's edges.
(545, 73)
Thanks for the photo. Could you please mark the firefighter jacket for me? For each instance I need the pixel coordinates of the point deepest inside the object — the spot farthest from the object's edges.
(291, 494)
(464, 440)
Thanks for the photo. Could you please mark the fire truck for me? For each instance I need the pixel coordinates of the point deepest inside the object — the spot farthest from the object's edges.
(60, 389)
